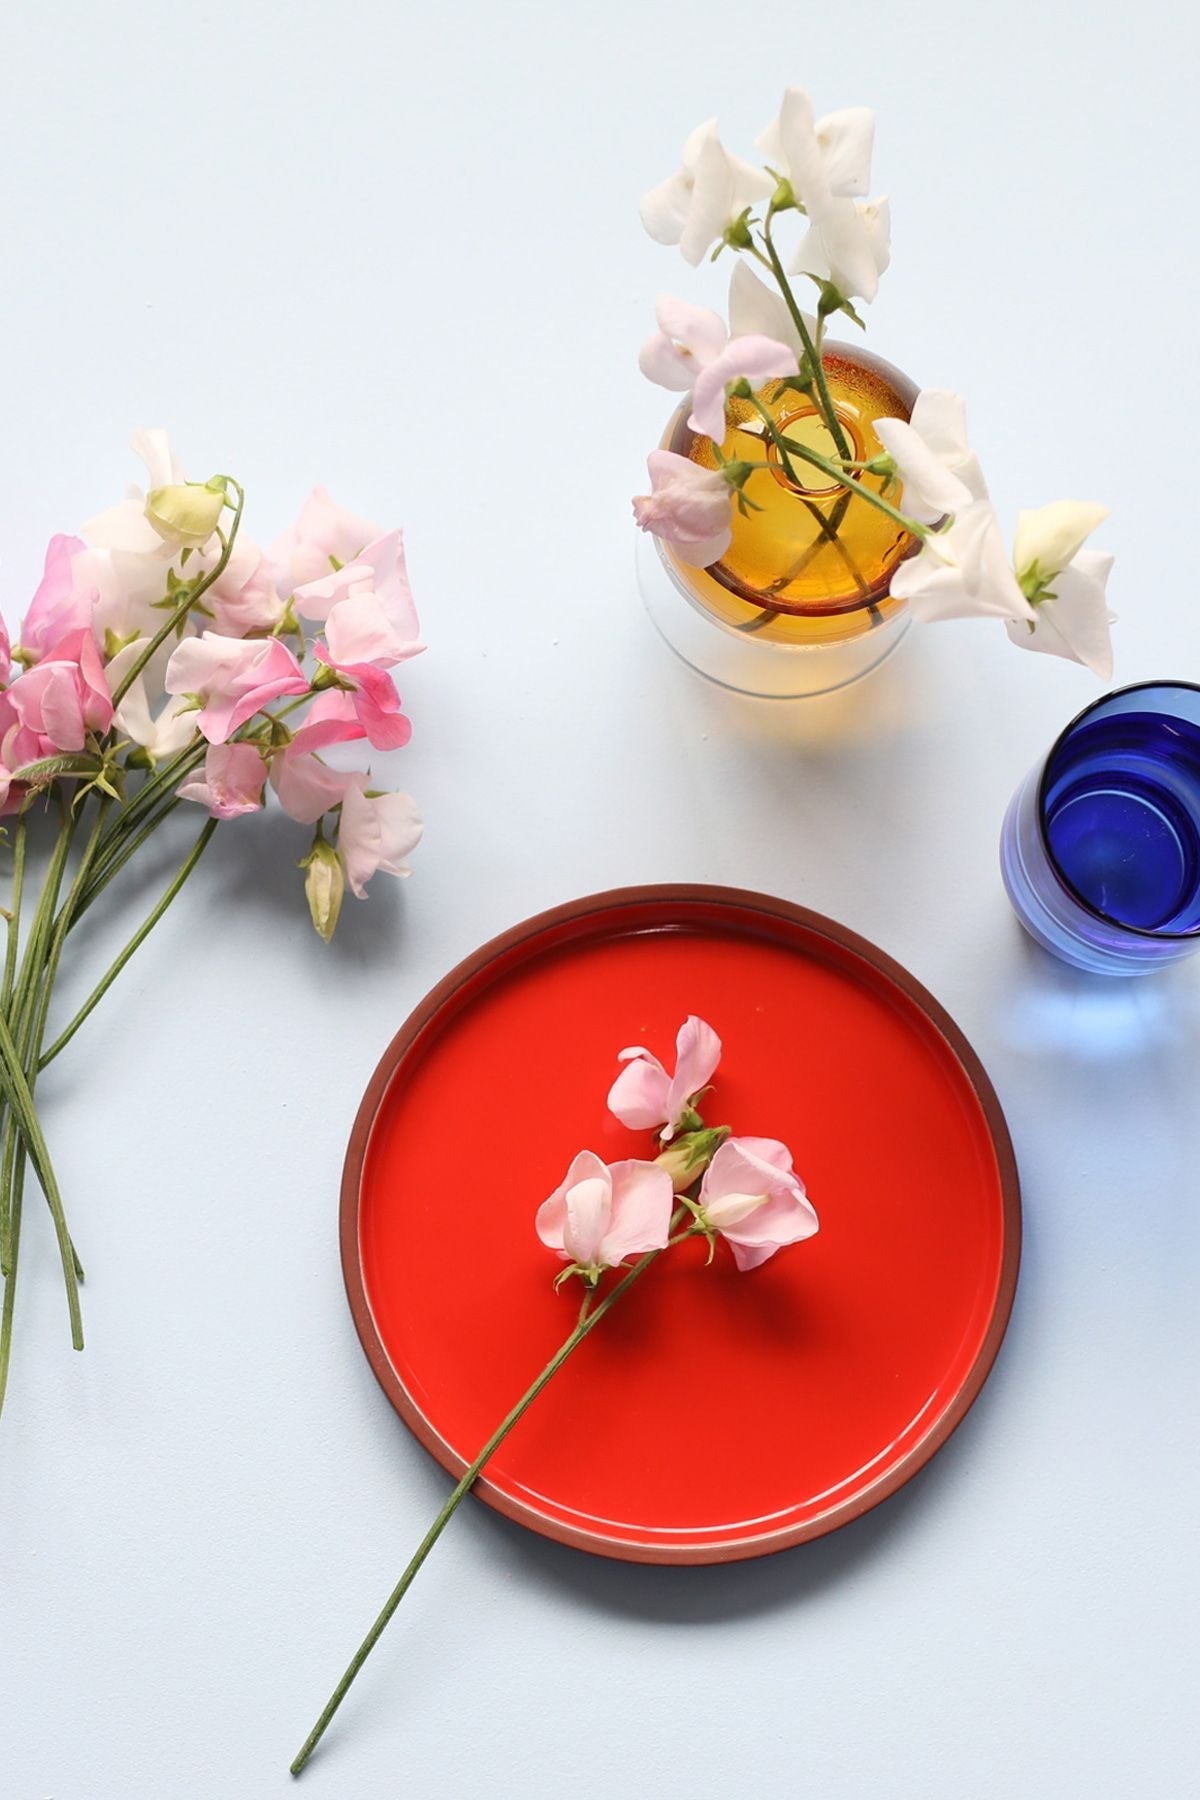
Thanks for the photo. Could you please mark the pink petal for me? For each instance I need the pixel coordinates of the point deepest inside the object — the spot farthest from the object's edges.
(642, 1202)
(638, 1096)
(589, 1210)
(552, 1213)
(697, 1053)
(704, 332)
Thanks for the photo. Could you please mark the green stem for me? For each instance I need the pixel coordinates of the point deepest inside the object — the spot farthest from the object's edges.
(10, 1272)
(854, 487)
(587, 1322)
(14, 914)
(139, 937)
(20, 1100)
(840, 440)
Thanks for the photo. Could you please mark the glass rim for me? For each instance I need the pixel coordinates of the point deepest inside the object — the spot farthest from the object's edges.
(1064, 880)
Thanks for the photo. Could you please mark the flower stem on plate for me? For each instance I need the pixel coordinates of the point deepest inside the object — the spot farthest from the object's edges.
(589, 1317)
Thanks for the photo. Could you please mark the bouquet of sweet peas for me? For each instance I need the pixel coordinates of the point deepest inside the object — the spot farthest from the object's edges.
(164, 662)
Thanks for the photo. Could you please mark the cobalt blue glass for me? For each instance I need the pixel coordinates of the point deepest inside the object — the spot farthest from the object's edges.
(1100, 850)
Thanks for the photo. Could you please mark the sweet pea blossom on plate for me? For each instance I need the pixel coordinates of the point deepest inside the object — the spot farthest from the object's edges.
(753, 1198)
(604, 1216)
(601, 1213)
(645, 1097)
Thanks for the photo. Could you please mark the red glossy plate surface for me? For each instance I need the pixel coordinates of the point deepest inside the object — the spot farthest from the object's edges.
(712, 1414)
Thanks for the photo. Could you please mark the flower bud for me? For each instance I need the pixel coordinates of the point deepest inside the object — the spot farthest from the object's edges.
(324, 886)
(185, 513)
(690, 1155)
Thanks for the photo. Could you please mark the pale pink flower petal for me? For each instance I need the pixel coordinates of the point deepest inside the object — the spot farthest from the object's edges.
(307, 787)
(323, 536)
(697, 1053)
(754, 358)
(64, 697)
(688, 506)
(598, 1216)
(377, 831)
(639, 1097)
(644, 1095)
(753, 1198)
(689, 337)
(232, 782)
(233, 678)
(640, 1211)
(551, 1220)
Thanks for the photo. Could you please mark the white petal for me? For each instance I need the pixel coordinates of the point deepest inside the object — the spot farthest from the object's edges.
(664, 209)
(930, 489)
(847, 139)
(1051, 536)
(756, 310)
(1075, 624)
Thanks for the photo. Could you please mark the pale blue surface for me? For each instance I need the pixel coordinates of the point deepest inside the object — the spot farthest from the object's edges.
(362, 243)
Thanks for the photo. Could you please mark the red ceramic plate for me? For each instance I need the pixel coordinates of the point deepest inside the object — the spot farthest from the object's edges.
(713, 1415)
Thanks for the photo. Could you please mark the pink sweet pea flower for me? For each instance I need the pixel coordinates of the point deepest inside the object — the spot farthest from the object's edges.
(690, 507)
(367, 607)
(5, 652)
(644, 1096)
(371, 709)
(752, 1197)
(244, 597)
(61, 604)
(599, 1214)
(232, 678)
(694, 350)
(306, 786)
(64, 697)
(324, 537)
(232, 782)
(377, 831)
(331, 719)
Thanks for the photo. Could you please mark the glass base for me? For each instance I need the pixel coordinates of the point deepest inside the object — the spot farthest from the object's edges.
(749, 665)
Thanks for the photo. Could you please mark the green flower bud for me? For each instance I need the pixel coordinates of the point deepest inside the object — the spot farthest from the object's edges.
(689, 1156)
(324, 886)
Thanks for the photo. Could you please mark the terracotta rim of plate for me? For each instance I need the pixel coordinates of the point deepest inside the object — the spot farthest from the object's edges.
(613, 901)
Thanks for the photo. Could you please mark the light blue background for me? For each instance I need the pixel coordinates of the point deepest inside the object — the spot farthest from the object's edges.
(396, 249)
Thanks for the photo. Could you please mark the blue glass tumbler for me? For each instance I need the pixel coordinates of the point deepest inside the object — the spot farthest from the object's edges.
(1100, 850)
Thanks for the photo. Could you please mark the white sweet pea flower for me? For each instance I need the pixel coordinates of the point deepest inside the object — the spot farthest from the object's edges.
(828, 163)
(1074, 620)
(756, 310)
(1066, 584)
(939, 470)
(1051, 537)
(711, 191)
(849, 244)
(832, 153)
(963, 572)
